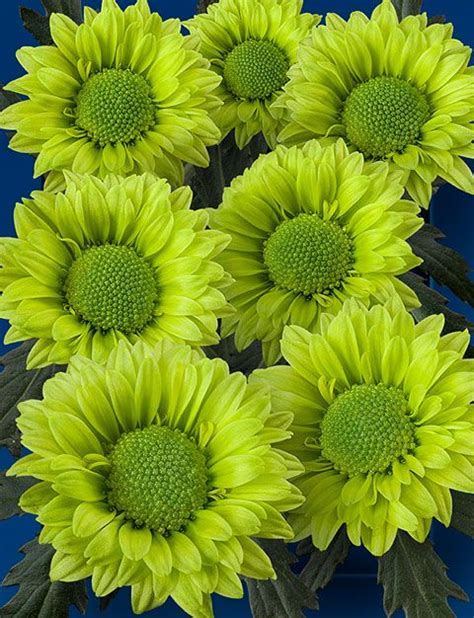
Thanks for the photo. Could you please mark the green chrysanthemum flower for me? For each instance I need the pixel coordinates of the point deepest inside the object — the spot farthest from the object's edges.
(251, 44)
(395, 91)
(123, 93)
(311, 227)
(155, 470)
(383, 423)
(120, 258)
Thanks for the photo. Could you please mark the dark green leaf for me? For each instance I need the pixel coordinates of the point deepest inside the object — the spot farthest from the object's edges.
(433, 302)
(7, 98)
(414, 578)
(203, 4)
(37, 25)
(37, 596)
(226, 162)
(245, 361)
(446, 266)
(321, 565)
(437, 19)
(71, 8)
(285, 597)
(16, 385)
(407, 7)
(11, 489)
(463, 513)
(53, 6)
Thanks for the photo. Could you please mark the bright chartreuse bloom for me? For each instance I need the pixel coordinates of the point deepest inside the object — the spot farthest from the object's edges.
(120, 258)
(395, 91)
(311, 227)
(156, 471)
(383, 423)
(251, 44)
(123, 93)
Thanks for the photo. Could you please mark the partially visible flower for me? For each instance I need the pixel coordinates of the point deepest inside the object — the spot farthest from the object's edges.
(383, 423)
(155, 472)
(251, 44)
(311, 227)
(122, 93)
(395, 91)
(122, 258)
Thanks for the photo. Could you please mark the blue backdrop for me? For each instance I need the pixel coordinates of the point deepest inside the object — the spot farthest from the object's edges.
(354, 591)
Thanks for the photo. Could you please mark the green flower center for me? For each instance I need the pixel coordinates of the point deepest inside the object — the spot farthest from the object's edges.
(255, 70)
(384, 115)
(115, 105)
(366, 429)
(110, 286)
(158, 478)
(308, 255)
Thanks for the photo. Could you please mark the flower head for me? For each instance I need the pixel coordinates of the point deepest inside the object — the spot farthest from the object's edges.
(120, 258)
(155, 470)
(311, 227)
(395, 91)
(122, 93)
(383, 423)
(251, 44)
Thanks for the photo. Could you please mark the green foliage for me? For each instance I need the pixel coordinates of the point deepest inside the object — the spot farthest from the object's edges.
(414, 578)
(322, 565)
(17, 385)
(37, 596)
(287, 596)
(203, 4)
(446, 266)
(437, 19)
(38, 24)
(413, 7)
(7, 98)
(226, 162)
(71, 8)
(463, 513)
(11, 489)
(245, 361)
(433, 302)
(407, 7)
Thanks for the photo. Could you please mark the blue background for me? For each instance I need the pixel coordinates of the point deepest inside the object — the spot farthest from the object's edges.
(354, 592)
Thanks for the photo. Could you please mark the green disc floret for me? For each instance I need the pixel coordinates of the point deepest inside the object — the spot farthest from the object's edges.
(366, 429)
(308, 255)
(158, 478)
(255, 69)
(111, 286)
(384, 115)
(115, 105)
